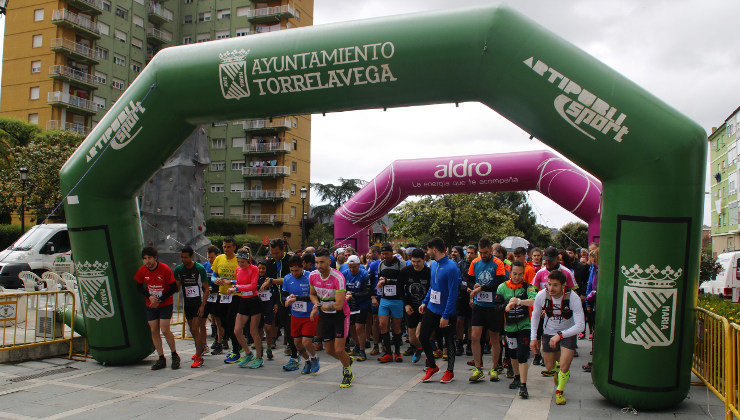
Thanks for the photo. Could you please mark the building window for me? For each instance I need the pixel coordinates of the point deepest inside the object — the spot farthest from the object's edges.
(203, 37)
(137, 43)
(292, 189)
(218, 143)
(239, 142)
(218, 166)
(188, 19)
(188, 1)
(101, 52)
(242, 32)
(236, 211)
(120, 35)
(292, 212)
(204, 17)
(295, 144)
(730, 129)
(106, 5)
(294, 167)
(99, 102)
(37, 41)
(222, 34)
(117, 83)
(36, 66)
(242, 11)
(215, 211)
(135, 66)
(141, 2)
(223, 14)
(237, 165)
(119, 59)
(138, 21)
(103, 28)
(121, 12)
(34, 93)
(38, 15)
(217, 188)
(187, 40)
(100, 78)
(33, 118)
(237, 187)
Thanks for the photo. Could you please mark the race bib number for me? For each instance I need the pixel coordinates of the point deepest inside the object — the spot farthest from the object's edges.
(485, 297)
(265, 296)
(389, 290)
(213, 297)
(435, 297)
(511, 343)
(225, 298)
(299, 306)
(192, 291)
(157, 293)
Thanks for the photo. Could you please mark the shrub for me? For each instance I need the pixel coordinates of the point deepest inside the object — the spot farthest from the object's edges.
(252, 240)
(226, 227)
(9, 234)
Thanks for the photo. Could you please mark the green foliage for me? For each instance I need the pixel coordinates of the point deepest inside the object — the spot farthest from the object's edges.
(318, 234)
(9, 234)
(456, 218)
(14, 133)
(572, 232)
(225, 227)
(708, 266)
(721, 307)
(336, 195)
(239, 240)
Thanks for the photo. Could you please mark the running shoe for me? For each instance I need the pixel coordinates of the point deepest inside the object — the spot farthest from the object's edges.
(291, 365)
(205, 351)
(232, 358)
(244, 360)
(516, 383)
(374, 351)
(559, 398)
(459, 348)
(591, 336)
(215, 344)
(493, 374)
(367, 344)
(256, 363)
(398, 358)
(500, 367)
(471, 362)
(385, 358)
(523, 392)
(587, 367)
(225, 345)
(315, 365)
(409, 351)
(193, 357)
(448, 377)
(306, 368)
(509, 371)
(361, 356)
(416, 357)
(468, 350)
(477, 375)
(175, 361)
(160, 363)
(218, 349)
(198, 362)
(437, 353)
(445, 356)
(548, 373)
(347, 378)
(581, 336)
(430, 371)
(537, 359)
(269, 353)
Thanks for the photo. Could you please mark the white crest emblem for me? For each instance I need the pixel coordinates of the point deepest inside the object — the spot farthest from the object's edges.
(95, 292)
(233, 74)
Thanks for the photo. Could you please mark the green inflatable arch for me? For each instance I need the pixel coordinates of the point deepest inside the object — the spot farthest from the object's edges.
(650, 158)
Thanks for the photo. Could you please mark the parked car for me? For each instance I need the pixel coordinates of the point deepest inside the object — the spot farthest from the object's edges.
(37, 250)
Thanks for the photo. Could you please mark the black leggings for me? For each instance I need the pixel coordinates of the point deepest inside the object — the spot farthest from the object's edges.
(229, 322)
(429, 324)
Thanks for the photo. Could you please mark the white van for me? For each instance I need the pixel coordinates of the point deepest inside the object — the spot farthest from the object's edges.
(727, 282)
(37, 250)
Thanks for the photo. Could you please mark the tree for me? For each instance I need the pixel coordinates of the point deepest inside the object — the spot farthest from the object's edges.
(708, 267)
(14, 133)
(336, 195)
(457, 218)
(572, 234)
(320, 234)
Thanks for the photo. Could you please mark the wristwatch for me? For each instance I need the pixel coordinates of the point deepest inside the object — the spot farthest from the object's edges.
(560, 334)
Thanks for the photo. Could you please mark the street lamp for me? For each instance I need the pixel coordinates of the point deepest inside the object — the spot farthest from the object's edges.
(304, 194)
(24, 177)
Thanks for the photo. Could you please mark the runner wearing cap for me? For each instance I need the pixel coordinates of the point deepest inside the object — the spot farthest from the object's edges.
(551, 263)
(359, 290)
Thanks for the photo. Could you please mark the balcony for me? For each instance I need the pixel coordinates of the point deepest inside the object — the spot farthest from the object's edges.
(270, 14)
(158, 35)
(72, 127)
(73, 76)
(267, 148)
(81, 24)
(75, 103)
(158, 13)
(74, 50)
(267, 126)
(93, 7)
(266, 171)
(265, 195)
(265, 219)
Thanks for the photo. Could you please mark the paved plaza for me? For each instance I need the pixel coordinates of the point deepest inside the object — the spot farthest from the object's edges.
(60, 388)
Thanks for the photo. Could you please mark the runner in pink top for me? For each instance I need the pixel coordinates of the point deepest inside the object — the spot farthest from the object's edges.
(250, 308)
(551, 263)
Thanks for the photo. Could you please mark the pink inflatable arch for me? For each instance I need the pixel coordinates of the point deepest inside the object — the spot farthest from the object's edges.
(566, 184)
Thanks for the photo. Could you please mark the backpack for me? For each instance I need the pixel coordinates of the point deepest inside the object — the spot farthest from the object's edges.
(565, 311)
(519, 312)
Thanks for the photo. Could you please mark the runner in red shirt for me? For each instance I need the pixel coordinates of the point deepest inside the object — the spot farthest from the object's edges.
(157, 283)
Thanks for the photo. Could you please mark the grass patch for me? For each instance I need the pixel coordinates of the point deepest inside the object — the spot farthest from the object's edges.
(721, 307)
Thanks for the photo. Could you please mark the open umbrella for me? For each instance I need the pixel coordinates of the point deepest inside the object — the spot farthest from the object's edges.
(513, 242)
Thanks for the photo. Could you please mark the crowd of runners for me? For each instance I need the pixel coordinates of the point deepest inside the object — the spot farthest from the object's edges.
(444, 302)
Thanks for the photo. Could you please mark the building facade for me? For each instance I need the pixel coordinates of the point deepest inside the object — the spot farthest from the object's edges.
(724, 160)
(66, 62)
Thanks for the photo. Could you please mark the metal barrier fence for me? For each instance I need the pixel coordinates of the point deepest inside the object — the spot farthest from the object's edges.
(28, 319)
(715, 360)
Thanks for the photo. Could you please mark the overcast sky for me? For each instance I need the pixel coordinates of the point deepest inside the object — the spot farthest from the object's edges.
(685, 52)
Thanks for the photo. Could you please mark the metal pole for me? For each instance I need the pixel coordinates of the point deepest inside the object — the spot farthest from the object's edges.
(23, 207)
(303, 223)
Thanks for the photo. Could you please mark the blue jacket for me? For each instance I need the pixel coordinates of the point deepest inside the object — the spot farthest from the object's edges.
(445, 279)
(361, 288)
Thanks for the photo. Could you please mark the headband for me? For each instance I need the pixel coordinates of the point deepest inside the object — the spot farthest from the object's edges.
(243, 255)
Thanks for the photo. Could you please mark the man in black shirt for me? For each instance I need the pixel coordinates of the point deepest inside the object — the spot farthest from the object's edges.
(416, 277)
(391, 302)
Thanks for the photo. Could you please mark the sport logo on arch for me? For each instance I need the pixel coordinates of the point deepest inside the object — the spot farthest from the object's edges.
(233, 74)
(649, 305)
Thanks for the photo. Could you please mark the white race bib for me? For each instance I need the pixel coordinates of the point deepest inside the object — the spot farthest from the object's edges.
(511, 342)
(435, 297)
(389, 290)
(192, 291)
(265, 296)
(225, 298)
(157, 293)
(248, 294)
(213, 297)
(485, 297)
(299, 306)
